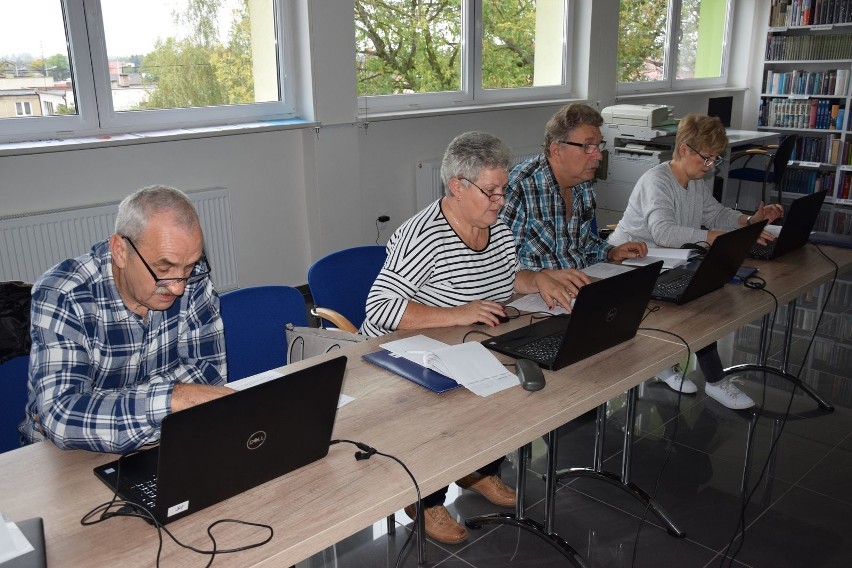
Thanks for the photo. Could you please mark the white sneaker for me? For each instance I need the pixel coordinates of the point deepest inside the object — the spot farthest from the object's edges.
(676, 381)
(727, 394)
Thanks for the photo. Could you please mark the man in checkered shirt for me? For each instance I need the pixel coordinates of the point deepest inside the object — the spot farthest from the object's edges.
(126, 334)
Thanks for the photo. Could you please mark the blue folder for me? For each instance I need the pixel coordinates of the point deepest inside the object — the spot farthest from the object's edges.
(432, 380)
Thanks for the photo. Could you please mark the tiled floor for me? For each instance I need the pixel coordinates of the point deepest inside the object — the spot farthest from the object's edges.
(798, 511)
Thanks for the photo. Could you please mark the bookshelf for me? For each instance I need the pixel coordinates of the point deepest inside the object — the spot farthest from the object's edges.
(807, 90)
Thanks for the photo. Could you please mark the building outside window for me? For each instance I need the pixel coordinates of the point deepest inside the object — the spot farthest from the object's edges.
(412, 54)
(161, 63)
(670, 45)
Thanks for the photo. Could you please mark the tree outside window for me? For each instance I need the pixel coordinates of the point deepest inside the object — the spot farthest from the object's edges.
(421, 47)
(671, 44)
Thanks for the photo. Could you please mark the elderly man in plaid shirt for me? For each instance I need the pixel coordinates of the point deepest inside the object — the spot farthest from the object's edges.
(126, 334)
(550, 203)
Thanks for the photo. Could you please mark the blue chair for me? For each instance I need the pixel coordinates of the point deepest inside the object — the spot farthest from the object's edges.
(774, 165)
(13, 383)
(341, 281)
(254, 320)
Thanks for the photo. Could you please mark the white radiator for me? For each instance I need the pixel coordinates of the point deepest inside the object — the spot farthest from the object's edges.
(33, 242)
(427, 181)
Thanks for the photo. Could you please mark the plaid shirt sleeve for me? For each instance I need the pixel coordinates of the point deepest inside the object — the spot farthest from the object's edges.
(103, 382)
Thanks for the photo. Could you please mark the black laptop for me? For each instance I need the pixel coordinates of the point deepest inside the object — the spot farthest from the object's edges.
(218, 449)
(719, 266)
(798, 224)
(606, 312)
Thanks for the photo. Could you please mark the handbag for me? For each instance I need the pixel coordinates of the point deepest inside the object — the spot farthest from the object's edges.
(305, 342)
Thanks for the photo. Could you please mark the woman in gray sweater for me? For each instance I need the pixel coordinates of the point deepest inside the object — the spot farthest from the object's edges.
(672, 204)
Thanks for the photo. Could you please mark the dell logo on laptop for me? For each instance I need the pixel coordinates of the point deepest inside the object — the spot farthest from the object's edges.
(610, 315)
(256, 440)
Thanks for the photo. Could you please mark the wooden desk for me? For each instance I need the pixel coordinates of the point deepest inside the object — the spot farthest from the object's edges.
(711, 317)
(439, 437)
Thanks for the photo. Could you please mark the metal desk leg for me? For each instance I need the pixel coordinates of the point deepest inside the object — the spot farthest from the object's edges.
(785, 354)
(517, 519)
(622, 481)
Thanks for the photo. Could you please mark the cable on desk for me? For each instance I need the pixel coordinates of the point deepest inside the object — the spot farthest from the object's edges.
(127, 508)
(366, 452)
(671, 442)
(746, 498)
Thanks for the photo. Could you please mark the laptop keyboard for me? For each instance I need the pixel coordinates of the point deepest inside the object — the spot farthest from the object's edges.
(762, 251)
(146, 492)
(543, 348)
(674, 286)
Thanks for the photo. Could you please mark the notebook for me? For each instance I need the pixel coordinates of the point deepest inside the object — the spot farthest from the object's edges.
(606, 312)
(218, 449)
(798, 223)
(423, 376)
(719, 266)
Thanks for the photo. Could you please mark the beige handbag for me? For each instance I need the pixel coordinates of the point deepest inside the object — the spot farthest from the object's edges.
(304, 342)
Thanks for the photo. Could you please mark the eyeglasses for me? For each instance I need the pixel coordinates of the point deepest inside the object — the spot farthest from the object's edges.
(163, 282)
(492, 197)
(587, 148)
(708, 162)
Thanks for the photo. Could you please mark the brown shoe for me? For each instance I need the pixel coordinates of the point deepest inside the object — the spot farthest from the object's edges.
(491, 487)
(439, 524)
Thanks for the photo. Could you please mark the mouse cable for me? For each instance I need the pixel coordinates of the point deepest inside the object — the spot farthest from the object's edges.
(366, 452)
(650, 310)
(127, 508)
(670, 445)
(533, 317)
(776, 439)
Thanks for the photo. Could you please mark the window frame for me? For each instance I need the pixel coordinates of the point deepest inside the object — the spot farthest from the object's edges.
(671, 84)
(93, 95)
(470, 91)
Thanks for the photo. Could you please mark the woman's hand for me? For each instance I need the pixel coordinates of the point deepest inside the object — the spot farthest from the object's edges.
(769, 212)
(478, 311)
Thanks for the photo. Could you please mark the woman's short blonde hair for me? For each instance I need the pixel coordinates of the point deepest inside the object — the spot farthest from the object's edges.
(702, 133)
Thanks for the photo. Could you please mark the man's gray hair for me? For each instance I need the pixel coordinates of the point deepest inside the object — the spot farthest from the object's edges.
(471, 152)
(566, 120)
(136, 210)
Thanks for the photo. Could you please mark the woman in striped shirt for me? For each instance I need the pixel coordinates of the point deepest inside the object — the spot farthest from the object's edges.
(455, 263)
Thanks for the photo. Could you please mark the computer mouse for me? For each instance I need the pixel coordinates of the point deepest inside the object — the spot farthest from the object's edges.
(695, 247)
(530, 374)
(501, 319)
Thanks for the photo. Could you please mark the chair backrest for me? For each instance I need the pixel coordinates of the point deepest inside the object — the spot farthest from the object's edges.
(254, 320)
(342, 280)
(782, 156)
(13, 384)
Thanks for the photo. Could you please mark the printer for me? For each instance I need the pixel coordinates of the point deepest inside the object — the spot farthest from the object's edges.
(638, 115)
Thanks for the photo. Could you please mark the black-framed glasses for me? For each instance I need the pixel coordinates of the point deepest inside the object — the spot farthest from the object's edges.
(587, 148)
(492, 197)
(164, 282)
(708, 162)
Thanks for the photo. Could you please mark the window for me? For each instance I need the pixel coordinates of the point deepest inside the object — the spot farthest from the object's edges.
(23, 108)
(124, 65)
(673, 44)
(414, 54)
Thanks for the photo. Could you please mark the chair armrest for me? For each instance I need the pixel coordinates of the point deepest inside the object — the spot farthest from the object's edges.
(336, 318)
(750, 152)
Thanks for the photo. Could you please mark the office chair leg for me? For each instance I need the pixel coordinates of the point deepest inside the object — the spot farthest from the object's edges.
(737, 197)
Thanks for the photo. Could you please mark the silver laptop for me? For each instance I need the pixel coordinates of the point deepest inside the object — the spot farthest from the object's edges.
(218, 449)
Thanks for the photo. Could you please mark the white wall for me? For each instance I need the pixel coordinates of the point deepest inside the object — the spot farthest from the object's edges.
(299, 194)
